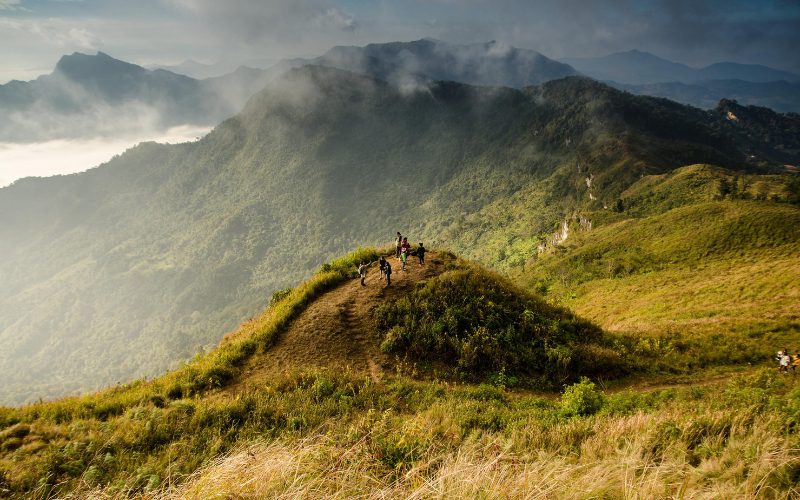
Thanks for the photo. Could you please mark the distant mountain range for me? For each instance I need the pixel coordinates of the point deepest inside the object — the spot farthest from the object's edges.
(197, 70)
(646, 74)
(87, 96)
(635, 67)
(428, 60)
(90, 96)
(781, 96)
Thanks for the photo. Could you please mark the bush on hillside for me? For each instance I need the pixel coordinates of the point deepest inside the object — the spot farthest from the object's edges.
(581, 399)
(481, 325)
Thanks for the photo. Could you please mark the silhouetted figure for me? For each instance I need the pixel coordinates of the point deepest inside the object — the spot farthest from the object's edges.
(382, 266)
(388, 273)
(421, 254)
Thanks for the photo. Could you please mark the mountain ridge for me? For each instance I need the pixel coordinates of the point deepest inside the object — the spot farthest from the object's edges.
(635, 67)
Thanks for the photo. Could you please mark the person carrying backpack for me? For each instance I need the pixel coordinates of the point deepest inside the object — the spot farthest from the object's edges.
(421, 254)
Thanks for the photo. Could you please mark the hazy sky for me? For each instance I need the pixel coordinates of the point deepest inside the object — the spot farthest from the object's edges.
(35, 33)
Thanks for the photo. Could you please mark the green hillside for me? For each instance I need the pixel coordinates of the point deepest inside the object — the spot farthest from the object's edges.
(702, 258)
(213, 428)
(127, 269)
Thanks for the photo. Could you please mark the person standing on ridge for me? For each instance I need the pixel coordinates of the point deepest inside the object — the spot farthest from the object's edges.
(398, 242)
(388, 273)
(785, 360)
(382, 266)
(404, 249)
(421, 254)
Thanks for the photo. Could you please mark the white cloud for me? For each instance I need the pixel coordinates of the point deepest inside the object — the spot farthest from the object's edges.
(70, 156)
(338, 19)
(10, 4)
(61, 34)
(290, 27)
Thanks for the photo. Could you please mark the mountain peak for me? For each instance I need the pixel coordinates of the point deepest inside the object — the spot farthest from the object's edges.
(80, 66)
(488, 63)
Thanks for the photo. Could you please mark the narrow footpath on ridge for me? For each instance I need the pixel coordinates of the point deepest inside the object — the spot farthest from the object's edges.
(336, 330)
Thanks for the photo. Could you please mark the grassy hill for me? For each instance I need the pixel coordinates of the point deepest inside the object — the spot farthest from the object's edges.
(127, 269)
(237, 422)
(697, 259)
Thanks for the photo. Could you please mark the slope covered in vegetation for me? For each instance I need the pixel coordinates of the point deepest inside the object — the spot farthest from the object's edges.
(126, 269)
(135, 437)
(703, 259)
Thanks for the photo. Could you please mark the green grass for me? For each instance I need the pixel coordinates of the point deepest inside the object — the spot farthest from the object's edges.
(206, 371)
(175, 434)
(737, 438)
(684, 281)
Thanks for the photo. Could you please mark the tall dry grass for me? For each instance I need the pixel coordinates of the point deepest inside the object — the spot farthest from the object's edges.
(608, 457)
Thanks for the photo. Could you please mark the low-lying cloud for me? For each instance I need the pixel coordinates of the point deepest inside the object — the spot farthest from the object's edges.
(68, 156)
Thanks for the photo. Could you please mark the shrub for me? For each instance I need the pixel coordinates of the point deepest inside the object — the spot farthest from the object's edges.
(581, 399)
(477, 322)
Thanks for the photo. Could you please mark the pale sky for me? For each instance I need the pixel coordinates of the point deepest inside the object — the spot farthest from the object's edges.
(35, 33)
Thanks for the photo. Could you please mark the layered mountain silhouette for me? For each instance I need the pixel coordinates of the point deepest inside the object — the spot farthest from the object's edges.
(646, 74)
(636, 67)
(97, 95)
(126, 269)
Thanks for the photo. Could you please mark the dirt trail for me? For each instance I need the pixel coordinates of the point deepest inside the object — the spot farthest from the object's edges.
(336, 330)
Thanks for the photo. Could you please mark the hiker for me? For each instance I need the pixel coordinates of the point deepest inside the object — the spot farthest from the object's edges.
(382, 266)
(362, 271)
(421, 254)
(398, 243)
(795, 362)
(404, 248)
(388, 273)
(784, 362)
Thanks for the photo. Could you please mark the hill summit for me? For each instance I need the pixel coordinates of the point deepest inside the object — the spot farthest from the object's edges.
(447, 317)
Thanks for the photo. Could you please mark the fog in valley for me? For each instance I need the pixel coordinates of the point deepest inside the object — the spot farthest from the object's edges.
(68, 156)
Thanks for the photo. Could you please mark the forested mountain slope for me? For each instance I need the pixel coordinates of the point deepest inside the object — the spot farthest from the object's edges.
(126, 269)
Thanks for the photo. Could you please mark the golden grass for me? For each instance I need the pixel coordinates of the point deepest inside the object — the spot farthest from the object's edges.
(719, 296)
(616, 461)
